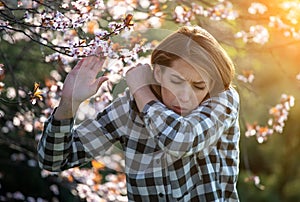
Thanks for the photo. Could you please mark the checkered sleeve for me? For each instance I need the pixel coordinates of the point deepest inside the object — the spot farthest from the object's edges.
(63, 145)
(59, 148)
(196, 132)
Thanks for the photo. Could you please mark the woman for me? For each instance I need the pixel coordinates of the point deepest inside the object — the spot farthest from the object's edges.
(177, 123)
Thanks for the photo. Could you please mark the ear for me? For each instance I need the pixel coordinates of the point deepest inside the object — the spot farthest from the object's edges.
(157, 73)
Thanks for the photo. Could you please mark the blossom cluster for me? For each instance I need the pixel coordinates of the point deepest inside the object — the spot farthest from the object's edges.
(257, 34)
(91, 185)
(76, 29)
(60, 29)
(223, 10)
(292, 8)
(260, 34)
(247, 76)
(279, 114)
(256, 181)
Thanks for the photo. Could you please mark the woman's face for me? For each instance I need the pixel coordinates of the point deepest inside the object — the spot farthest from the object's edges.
(182, 87)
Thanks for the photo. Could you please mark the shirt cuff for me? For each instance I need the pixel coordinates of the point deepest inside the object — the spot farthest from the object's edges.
(62, 126)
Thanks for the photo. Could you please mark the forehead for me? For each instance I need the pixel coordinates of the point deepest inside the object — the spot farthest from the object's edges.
(181, 68)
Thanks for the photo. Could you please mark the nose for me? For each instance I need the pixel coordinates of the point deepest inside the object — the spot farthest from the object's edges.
(185, 94)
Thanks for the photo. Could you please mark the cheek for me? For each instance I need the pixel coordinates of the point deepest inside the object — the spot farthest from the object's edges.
(166, 89)
(167, 93)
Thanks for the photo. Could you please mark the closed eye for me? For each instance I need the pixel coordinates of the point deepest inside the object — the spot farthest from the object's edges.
(200, 87)
(176, 79)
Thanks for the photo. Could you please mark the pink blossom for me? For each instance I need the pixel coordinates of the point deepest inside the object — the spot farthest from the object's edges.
(257, 8)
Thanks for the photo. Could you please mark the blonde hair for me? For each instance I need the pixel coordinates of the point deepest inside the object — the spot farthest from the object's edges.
(200, 49)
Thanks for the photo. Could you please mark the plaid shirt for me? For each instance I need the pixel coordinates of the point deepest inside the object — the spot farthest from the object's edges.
(168, 157)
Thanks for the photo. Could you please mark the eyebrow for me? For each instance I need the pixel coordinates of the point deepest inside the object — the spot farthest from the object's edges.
(196, 82)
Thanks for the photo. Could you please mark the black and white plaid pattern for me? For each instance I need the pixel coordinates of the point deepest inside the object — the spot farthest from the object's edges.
(168, 157)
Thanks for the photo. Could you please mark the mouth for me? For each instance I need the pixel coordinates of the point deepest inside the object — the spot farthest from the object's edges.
(179, 110)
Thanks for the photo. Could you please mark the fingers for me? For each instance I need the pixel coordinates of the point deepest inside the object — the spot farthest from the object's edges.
(90, 63)
(95, 61)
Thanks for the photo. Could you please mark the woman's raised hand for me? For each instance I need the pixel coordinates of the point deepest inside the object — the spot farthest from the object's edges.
(139, 76)
(80, 84)
(139, 79)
